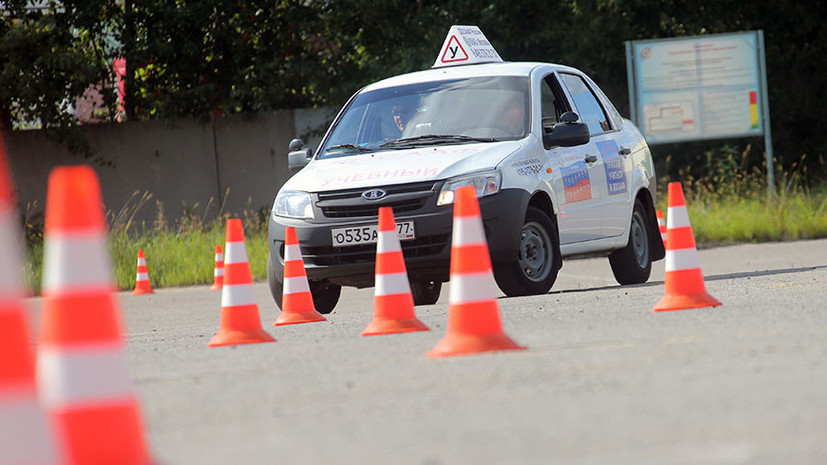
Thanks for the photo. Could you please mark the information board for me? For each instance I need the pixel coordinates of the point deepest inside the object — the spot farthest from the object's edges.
(700, 87)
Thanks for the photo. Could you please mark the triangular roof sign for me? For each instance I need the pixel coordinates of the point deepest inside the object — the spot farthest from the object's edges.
(465, 45)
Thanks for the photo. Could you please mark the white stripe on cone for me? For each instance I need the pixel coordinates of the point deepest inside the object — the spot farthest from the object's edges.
(392, 283)
(142, 277)
(236, 252)
(295, 285)
(74, 262)
(468, 231)
(141, 261)
(292, 252)
(219, 272)
(219, 257)
(472, 287)
(234, 295)
(92, 374)
(682, 259)
(388, 241)
(677, 217)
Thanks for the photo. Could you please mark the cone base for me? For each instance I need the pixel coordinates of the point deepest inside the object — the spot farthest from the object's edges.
(685, 302)
(381, 326)
(229, 338)
(292, 318)
(141, 291)
(468, 344)
(216, 287)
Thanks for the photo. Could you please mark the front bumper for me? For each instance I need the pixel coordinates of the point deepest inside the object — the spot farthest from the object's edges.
(427, 258)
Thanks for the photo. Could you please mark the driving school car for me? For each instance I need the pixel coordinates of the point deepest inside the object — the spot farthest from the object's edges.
(558, 172)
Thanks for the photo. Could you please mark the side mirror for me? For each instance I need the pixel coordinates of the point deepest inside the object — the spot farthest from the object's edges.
(569, 133)
(298, 157)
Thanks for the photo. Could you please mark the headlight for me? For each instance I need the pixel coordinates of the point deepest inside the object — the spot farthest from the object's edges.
(485, 183)
(293, 204)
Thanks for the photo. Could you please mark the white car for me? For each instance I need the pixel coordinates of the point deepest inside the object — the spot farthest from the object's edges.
(558, 173)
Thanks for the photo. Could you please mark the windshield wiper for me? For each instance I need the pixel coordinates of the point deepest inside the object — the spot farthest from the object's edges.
(431, 139)
(348, 147)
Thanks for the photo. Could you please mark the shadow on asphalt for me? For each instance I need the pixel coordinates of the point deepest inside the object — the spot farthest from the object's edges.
(718, 277)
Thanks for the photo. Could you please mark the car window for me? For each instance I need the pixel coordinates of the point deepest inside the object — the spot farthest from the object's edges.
(588, 107)
(552, 103)
(483, 107)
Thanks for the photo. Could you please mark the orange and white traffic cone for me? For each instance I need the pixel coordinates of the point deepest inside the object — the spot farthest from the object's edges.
(26, 436)
(296, 300)
(661, 226)
(218, 273)
(142, 285)
(81, 369)
(240, 320)
(393, 304)
(473, 313)
(684, 283)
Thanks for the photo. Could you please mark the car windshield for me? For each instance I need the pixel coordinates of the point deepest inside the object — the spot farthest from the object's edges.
(481, 109)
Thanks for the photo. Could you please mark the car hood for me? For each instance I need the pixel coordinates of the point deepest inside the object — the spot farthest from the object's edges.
(399, 166)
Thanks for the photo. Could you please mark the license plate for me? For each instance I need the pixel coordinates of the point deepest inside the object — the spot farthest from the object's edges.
(359, 235)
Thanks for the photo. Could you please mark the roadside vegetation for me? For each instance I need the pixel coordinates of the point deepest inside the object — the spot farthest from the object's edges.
(729, 204)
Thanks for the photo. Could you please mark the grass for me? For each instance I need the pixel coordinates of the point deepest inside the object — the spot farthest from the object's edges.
(729, 205)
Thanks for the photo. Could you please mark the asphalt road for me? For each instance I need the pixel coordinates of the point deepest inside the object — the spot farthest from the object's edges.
(604, 380)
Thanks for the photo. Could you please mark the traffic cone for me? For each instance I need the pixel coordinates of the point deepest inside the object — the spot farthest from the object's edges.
(661, 226)
(26, 437)
(473, 313)
(218, 273)
(684, 282)
(81, 369)
(142, 285)
(393, 304)
(240, 320)
(296, 300)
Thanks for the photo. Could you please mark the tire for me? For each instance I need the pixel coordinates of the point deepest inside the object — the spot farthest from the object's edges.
(425, 292)
(633, 263)
(325, 294)
(535, 265)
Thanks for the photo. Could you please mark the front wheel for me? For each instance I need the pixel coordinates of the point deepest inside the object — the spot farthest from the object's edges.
(425, 292)
(534, 267)
(325, 294)
(633, 263)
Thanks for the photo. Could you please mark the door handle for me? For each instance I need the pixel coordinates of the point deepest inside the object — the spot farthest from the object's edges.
(590, 158)
(625, 150)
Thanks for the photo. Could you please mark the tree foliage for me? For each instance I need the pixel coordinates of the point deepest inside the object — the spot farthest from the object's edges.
(189, 58)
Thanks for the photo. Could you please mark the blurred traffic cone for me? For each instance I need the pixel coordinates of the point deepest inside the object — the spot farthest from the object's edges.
(81, 369)
(218, 273)
(240, 320)
(26, 437)
(683, 283)
(142, 285)
(296, 300)
(661, 226)
(473, 313)
(393, 304)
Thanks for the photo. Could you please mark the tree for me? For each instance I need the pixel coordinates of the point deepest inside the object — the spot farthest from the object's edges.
(51, 55)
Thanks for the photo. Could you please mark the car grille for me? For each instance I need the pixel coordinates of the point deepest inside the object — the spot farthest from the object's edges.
(404, 198)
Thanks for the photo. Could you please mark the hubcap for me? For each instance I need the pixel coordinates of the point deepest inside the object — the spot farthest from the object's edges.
(535, 252)
(639, 239)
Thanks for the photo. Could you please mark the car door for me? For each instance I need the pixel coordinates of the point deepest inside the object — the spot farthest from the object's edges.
(579, 172)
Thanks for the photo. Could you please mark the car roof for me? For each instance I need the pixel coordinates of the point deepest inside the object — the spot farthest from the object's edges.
(465, 71)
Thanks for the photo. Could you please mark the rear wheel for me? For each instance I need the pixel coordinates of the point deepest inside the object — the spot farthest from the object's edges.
(325, 294)
(633, 263)
(425, 292)
(533, 270)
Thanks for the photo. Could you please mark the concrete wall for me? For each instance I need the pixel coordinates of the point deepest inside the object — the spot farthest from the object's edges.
(181, 164)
